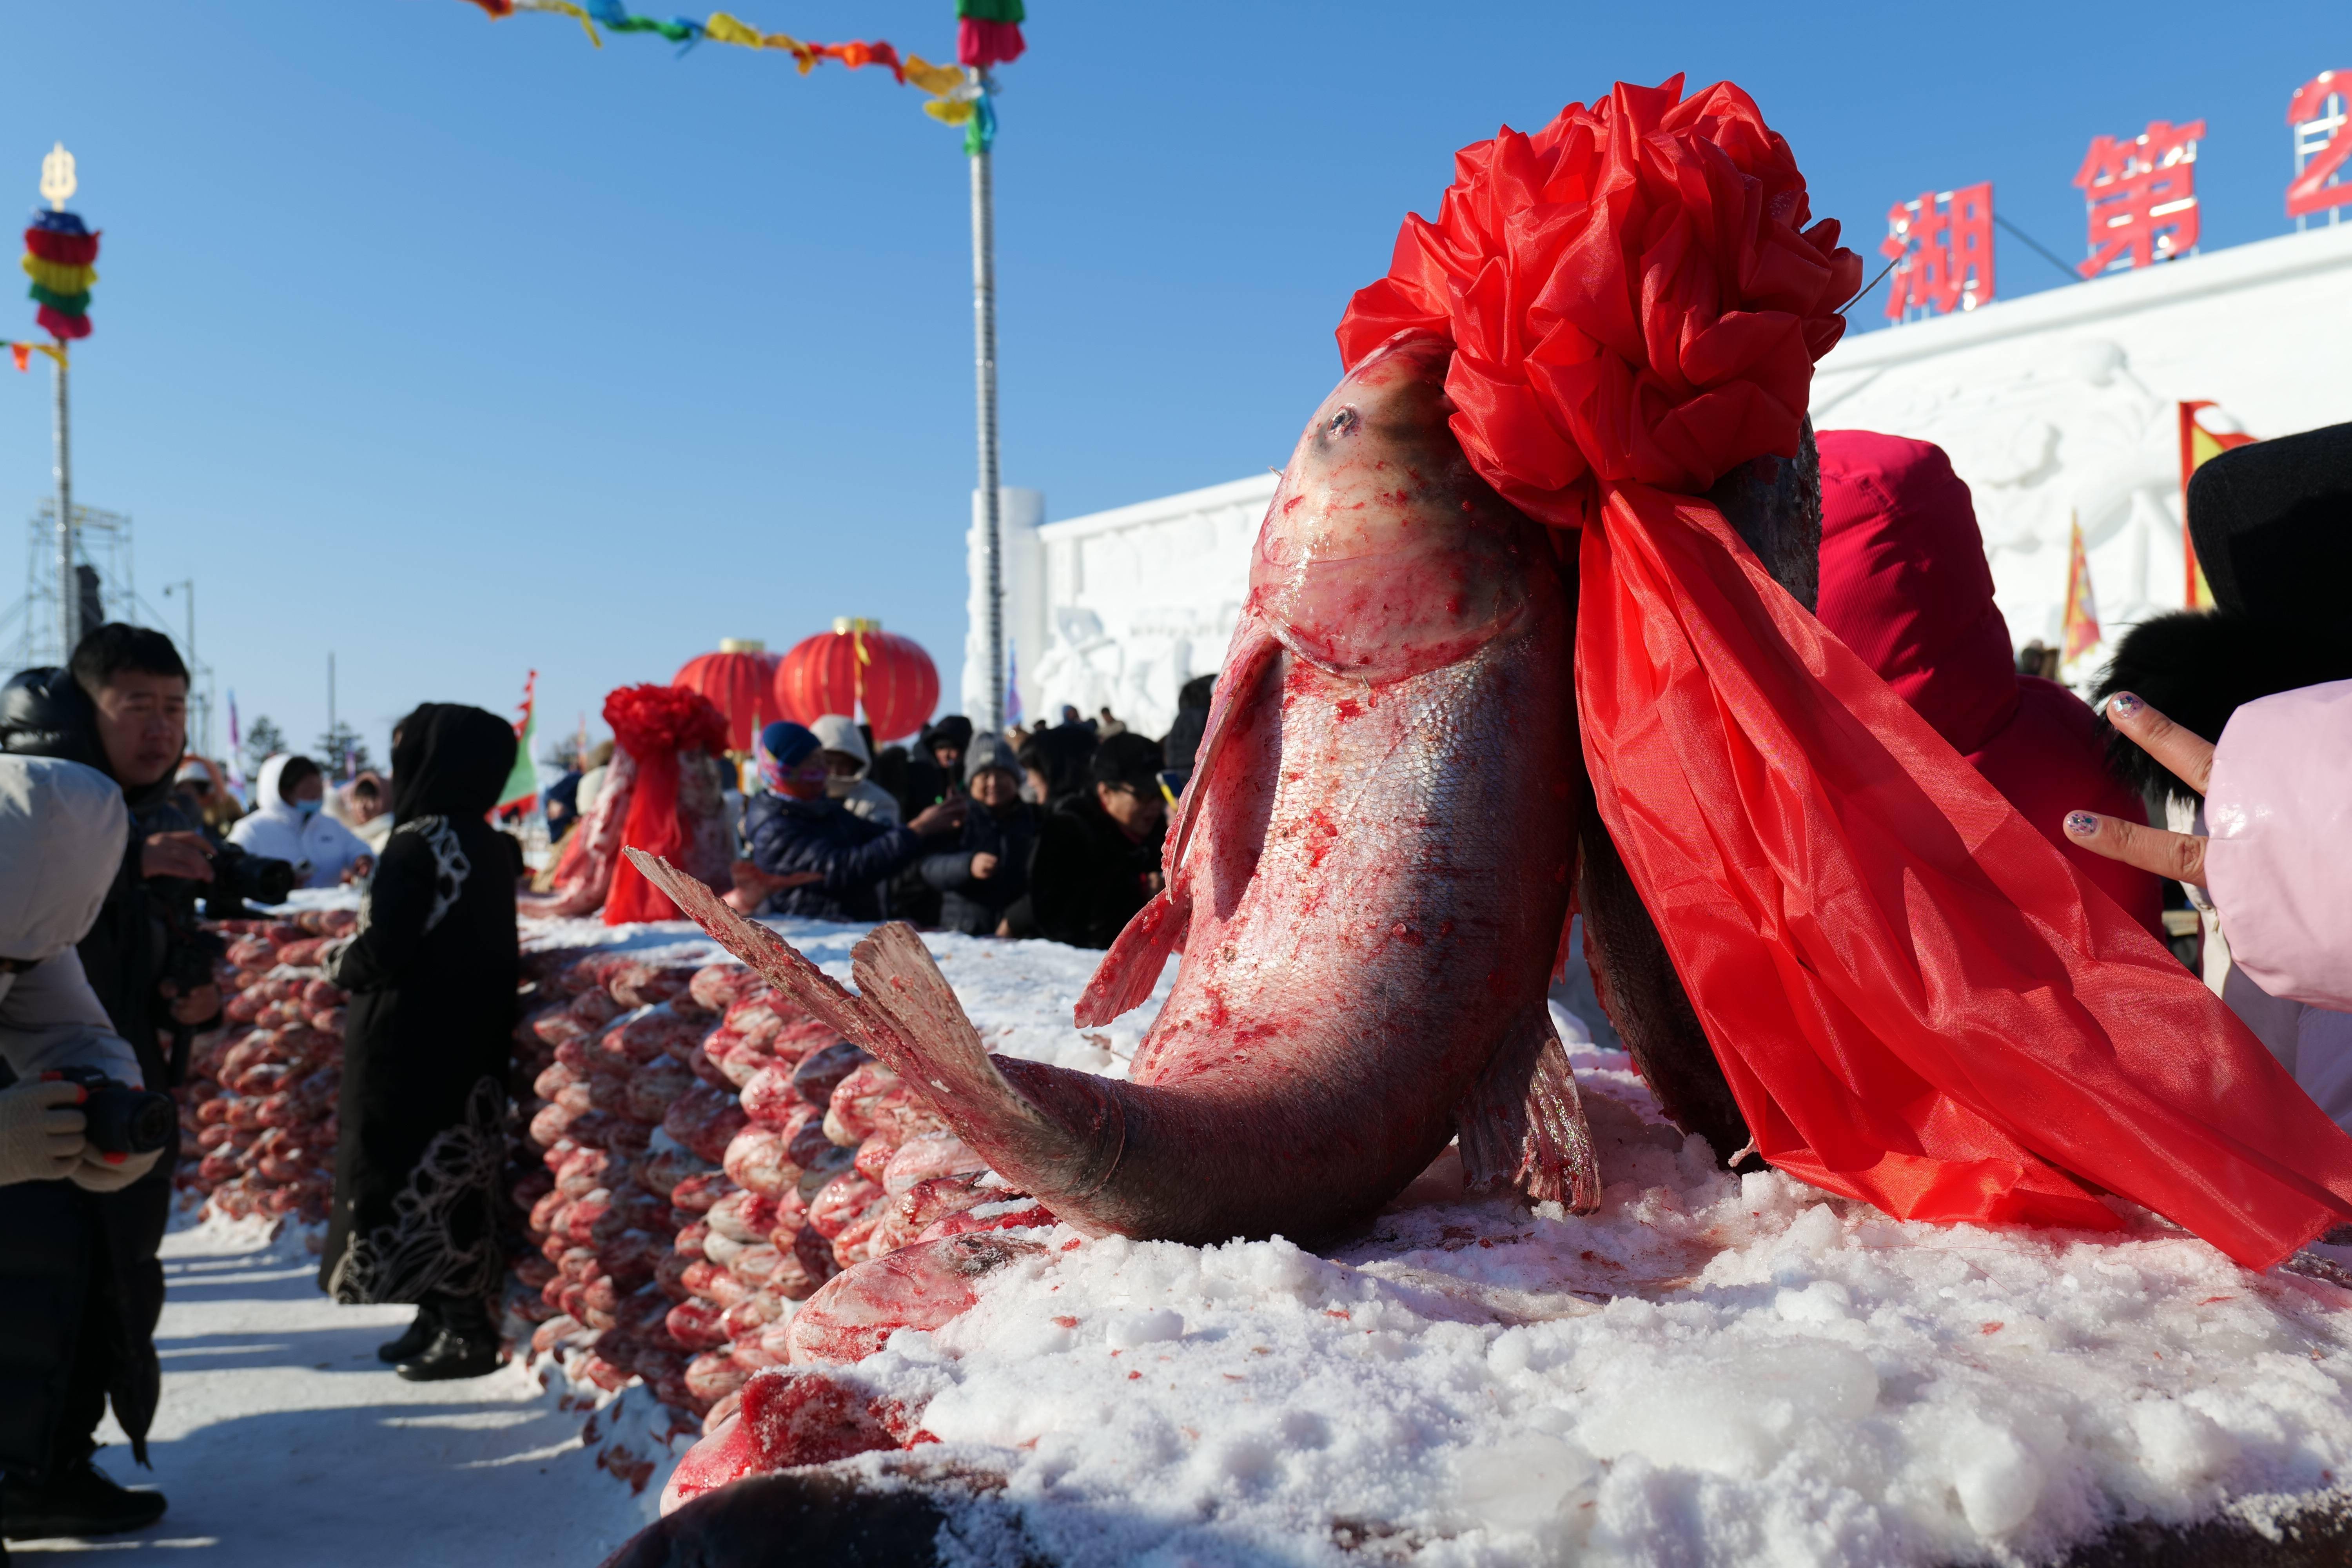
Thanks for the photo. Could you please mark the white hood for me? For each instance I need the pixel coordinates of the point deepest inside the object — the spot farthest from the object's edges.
(265, 787)
(837, 732)
(62, 828)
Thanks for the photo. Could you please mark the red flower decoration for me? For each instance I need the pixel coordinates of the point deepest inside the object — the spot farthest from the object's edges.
(1633, 293)
(654, 724)
(649, 720)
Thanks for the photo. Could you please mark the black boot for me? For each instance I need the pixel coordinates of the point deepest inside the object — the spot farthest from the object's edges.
(414, 1341)
(465, 1344)
(80, 1499)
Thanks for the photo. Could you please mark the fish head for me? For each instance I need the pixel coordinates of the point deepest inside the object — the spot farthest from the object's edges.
(1383, 553)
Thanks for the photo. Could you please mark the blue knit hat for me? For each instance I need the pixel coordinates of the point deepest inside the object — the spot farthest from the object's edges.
(783, 746)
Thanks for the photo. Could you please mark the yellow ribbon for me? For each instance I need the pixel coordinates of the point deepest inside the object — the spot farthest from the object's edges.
(58, 278)
(19, 348)
(564, 8)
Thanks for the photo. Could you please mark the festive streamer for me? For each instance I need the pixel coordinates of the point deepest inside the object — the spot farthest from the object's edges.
(22, 353)
(940, 81)
(58, 252)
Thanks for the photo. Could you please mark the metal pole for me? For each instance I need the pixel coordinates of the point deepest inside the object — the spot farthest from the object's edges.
(983, 327)
(69, 629)
(330, 693)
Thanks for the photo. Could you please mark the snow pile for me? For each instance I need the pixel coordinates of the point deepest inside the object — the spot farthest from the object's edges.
(282, 1442)
(1710, 1368)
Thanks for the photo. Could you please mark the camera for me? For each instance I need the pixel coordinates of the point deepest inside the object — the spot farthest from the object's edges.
(120, 1120)
(238, 876)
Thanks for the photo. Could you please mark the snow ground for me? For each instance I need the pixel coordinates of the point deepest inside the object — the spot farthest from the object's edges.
(1712, 1369)
(283, 1443)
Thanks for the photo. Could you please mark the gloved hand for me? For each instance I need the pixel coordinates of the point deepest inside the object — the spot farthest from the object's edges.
(101, 1173)
(40, 1131)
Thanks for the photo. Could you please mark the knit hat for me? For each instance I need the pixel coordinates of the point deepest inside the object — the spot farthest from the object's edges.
(782, 746)
(989, 749)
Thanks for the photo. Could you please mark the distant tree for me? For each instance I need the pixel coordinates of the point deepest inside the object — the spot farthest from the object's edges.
(341, 751)
(263, 741)
(561, 755)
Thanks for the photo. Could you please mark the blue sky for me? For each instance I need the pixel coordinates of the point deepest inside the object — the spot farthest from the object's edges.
(460, 348)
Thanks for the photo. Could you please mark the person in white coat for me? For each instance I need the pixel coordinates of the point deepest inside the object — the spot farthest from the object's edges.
(63, 827)
(287, 824)
(846, 760)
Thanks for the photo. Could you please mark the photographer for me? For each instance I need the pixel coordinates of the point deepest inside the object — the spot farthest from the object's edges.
(120, 708)
(70, 1281)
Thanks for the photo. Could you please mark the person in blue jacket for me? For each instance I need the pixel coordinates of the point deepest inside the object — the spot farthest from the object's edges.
(822, 862)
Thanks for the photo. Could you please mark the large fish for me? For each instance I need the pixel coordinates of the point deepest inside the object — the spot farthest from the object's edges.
(1368, 878)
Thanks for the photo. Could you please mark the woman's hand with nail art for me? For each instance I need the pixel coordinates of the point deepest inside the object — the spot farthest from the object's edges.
(2180, 856)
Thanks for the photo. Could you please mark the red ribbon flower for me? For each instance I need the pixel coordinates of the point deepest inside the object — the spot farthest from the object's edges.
(1633, 293)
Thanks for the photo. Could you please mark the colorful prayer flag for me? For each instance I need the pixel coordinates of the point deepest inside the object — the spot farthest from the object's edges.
(522, 782)
(2206, 432)
(2081, 626)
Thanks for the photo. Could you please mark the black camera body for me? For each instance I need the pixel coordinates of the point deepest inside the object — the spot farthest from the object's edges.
(122, 1119)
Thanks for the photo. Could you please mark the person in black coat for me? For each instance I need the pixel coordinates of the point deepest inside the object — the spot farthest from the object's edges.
(1098, 855)
(984, 881)
(935, 772)
(810, 857)
(432, 972)
(1184, 737)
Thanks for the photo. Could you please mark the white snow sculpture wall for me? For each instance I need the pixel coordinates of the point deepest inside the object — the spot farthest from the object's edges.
(2065, 404)
(2059, 404)
(1140, 599)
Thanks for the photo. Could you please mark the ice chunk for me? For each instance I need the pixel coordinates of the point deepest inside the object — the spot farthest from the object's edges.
(1522, 1483)
(1997, 1478)
(2179, 1444)
(1144, 1328)
(1731, 1417)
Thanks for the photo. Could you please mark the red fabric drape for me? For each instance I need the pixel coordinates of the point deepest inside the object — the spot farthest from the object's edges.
(1918, 1001)
(654, 724)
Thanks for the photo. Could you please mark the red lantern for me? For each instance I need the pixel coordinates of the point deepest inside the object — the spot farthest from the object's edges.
(859, 665)
(740, 679)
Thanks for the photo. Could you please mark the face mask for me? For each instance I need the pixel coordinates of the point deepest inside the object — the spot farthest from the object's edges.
(840, 787)
(307, 809)
(802, 789)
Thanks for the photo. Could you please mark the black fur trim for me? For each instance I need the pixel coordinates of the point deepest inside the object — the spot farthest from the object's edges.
(2196, 667)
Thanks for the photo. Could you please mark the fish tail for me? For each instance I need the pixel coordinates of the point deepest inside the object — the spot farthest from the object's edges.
(1055, 1135)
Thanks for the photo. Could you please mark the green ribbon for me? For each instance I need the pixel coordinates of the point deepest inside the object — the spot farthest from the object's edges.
(69, 304)
(991, 11)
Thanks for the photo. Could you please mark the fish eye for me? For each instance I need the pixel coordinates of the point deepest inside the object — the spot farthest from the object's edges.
(1344, 420)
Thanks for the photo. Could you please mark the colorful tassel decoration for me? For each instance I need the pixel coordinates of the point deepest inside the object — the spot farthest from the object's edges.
(988, 32)
(59, 251)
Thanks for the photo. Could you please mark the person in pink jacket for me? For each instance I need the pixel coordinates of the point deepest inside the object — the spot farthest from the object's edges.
(2275, 860)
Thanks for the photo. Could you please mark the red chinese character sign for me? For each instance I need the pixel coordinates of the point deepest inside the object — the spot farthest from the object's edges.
(2323, 145)
(2141, 196)
(1942, 247)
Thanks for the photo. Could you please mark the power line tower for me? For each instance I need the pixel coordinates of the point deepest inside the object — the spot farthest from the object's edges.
(106, 590)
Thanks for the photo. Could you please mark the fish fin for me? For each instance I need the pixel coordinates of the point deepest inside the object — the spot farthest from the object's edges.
(1124, 979)
(1522, 1123)
(1638, 988)
(1245, 661)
